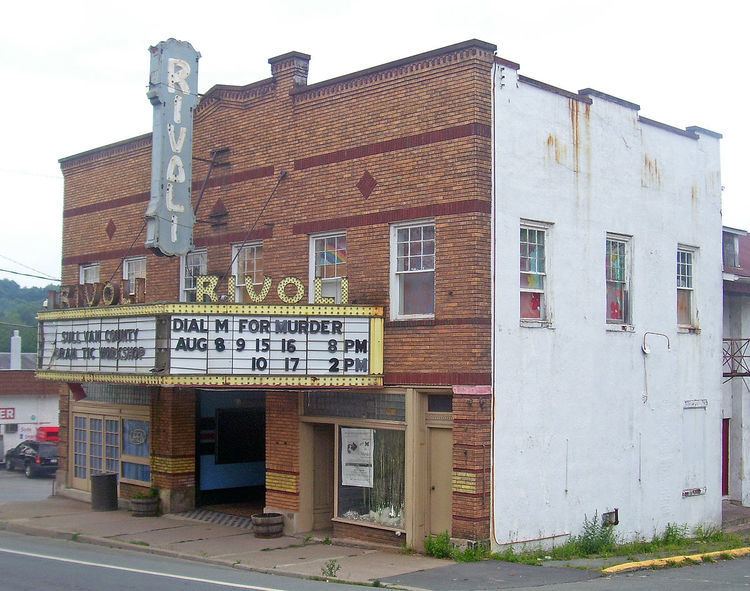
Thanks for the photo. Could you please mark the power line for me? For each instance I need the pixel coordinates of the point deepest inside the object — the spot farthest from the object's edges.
(2, 256)
(29, 275)
(16, 324)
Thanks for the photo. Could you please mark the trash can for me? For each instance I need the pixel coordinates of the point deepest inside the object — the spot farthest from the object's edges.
(104, 491)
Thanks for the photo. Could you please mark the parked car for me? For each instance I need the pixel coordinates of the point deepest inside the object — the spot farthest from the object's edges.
(33, 457)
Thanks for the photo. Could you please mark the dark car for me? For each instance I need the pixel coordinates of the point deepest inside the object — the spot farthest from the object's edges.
(33, 457)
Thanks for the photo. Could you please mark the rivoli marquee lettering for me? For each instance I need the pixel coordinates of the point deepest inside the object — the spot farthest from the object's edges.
(173, 91)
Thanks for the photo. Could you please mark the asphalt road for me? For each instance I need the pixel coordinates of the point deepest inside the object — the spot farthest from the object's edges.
(492, 575)
(14, 486)
(32, 563)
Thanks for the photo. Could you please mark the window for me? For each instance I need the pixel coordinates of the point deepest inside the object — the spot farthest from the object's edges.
(371, 476)
(133, 269)
(247, 265)
(617, 273)
(111, 444)
(89, 273)
(730, 244)
(533, 274)
(685, 303)
(194, 264)
(413, 271)
(11, 428)
(328, 262)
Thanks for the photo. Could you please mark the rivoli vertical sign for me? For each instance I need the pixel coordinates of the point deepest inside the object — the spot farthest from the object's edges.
(173, 91)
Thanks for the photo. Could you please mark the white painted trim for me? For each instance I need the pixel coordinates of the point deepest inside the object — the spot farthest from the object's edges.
(393, 288)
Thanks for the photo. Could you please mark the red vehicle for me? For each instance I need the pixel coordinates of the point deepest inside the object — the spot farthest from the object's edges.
(48, 434)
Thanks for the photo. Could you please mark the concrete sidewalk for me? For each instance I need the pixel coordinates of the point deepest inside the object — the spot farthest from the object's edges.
(194, 540)
(225, 545)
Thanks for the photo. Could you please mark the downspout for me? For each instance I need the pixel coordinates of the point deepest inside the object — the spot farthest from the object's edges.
(493, 382)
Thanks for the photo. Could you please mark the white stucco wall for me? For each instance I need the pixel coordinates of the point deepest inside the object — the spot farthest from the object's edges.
(31, 411)
(736, 404)
(575, 430)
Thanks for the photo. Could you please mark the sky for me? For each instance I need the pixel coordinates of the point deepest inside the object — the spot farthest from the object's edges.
(74, 74)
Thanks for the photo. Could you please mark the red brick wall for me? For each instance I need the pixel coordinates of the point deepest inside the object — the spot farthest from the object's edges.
(472, 448)
(343, 531)
(421, 129)
(22, 381)
(173, 438)
(282, 450)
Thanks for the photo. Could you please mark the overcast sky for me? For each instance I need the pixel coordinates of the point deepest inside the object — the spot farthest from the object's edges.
(74, 73)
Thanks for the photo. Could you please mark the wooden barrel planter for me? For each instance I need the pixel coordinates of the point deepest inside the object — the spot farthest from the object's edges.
(268, 525)
(148, 507)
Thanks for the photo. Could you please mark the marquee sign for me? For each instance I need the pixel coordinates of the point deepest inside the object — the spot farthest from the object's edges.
(205, 344)
(173, 91)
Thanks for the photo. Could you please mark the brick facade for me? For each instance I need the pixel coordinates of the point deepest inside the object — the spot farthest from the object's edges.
(173, 447)
(406, 141)
(282, 451)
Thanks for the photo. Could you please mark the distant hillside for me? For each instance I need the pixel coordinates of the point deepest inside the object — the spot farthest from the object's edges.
(19, 305)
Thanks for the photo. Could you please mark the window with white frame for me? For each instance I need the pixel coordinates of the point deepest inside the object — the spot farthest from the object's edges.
(89, 273)
(533, 277)
(247, 267)
(328, 262)
(132, 269)
(194, 264)
(413, 270)
(617, 273)
(685, 293)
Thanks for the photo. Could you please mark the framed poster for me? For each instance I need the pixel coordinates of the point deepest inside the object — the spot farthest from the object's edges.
(356, 457)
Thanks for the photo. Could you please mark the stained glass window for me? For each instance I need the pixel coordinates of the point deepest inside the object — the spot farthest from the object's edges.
(330, 263)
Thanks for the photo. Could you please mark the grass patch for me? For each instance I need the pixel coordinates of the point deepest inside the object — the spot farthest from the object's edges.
(600, 541)
(138, 542)
(440, 546)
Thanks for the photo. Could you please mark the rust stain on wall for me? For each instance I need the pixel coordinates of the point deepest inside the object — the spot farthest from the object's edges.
(556, 149)
(651, 176)
(574, 123)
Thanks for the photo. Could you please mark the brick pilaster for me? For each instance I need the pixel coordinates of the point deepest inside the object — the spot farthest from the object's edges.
(173, 426)
(282, 450)
(472, 447)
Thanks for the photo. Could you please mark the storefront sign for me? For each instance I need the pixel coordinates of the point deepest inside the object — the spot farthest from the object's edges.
(173, 91)
(99, 345)
(356, 457)
(92, 295)
(204, 344)
(270, 345)
(7, 413)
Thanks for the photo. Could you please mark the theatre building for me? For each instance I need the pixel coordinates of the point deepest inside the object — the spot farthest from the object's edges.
(322, 348)
(434, 295)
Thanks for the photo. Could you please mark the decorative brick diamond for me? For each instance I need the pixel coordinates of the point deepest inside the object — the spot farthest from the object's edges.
(110, 229)
(366, 184)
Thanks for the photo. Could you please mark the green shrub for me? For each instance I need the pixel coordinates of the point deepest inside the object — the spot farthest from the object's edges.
(595, 537)
(438, 546)
(673, 535)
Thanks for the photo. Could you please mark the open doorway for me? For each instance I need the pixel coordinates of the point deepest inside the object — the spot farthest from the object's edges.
(231, 450)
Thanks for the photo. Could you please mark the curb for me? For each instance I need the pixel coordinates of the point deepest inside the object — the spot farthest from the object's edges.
(662, 562)
(29, 530)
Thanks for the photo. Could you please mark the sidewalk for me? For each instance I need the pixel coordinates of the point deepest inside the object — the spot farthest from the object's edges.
(293, 556)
